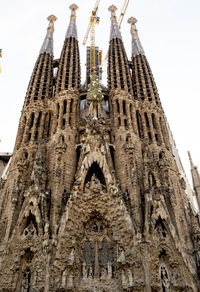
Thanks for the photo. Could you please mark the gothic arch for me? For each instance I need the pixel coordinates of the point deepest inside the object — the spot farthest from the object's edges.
(29, 215)
(98, 167)
(98, 250)
(24, 280)
(160, 226)
(95, 170)
(29, 226)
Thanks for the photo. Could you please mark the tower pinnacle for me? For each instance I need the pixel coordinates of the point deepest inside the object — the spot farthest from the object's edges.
(114, 31)
(136, 44)
(72, 30)
(190, 158)
(47, 46)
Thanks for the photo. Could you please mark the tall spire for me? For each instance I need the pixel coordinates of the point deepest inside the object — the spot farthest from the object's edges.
(72, 29)
(136, 44)
(119, 75)
(114, 31)
(42, 88)
(47, 46)
(195, 178)
(144, 86)
(68, 75)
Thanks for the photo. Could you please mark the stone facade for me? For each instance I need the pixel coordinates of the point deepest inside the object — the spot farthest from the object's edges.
(93, 199)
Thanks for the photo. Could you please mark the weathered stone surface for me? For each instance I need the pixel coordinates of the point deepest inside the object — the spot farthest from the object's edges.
(93, 200)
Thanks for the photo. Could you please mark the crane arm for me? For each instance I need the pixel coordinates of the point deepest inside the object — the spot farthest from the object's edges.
(123, 11)
(87, 33)
(92, 20)
(96, 7)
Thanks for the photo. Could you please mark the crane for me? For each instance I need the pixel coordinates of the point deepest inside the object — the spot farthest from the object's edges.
(123, 11)
(91, 29)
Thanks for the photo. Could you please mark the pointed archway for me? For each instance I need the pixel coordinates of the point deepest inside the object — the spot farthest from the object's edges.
(95, 170)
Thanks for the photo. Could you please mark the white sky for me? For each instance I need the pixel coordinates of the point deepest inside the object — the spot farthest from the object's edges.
(169, 31)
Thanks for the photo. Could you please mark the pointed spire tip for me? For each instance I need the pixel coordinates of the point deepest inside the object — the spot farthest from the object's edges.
(137, 48)
(47, 46)
(132, 20)
(114, 32)
(73, 7)
(112, 8)
(52, 18)
(189, 155)
(72, 30)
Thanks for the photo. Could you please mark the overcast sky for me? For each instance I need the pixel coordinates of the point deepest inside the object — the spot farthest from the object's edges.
(169, 32)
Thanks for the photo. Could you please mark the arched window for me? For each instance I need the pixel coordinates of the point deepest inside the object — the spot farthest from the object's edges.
(165, 281)
(30, 227)
(24, 281)
(97, 251)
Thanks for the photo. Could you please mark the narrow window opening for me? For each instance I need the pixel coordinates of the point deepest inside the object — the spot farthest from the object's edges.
(49, 125)
(154, 121)
(63, 123)
(150, 137)
(65, 107)
(71, 105)
(146, 119)
(157, 138)
(32, 120)
(78, 154)
(139, 124)
(38, 120)
(117, 103)
(112, 155)
(131, 114)
(124, 107)
(36, 135)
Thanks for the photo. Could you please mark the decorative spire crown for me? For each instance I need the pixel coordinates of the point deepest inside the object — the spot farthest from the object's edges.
(72, 29)
(114, 31)
(47, 46)
(137, 48)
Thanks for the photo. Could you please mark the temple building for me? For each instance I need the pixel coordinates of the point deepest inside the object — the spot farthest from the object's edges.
(95, 197)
